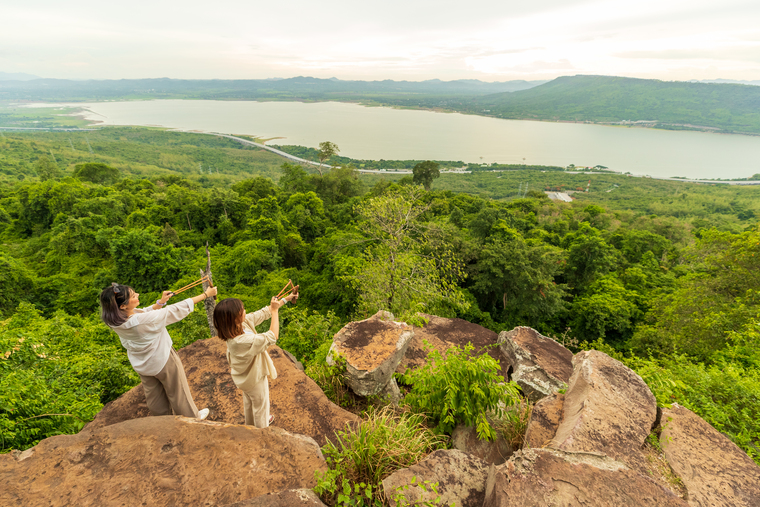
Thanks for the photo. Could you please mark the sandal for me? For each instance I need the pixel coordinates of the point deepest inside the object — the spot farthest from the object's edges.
(271, 419)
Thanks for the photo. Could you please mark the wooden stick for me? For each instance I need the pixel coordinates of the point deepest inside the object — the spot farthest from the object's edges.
(289, 284)
(190, 285)
(209, 303)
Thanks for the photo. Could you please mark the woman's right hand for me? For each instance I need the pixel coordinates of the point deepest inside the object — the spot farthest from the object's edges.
(275, 304)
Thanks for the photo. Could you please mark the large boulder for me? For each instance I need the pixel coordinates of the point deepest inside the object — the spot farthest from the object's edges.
(607, 409)
(461, 479)
(372, 348)
(544, 421)
(715, 472)
(539, 364)
(547, 477)
(297, 402)
(289, 498)
(465, 439)
(159, 461)
(442, 334)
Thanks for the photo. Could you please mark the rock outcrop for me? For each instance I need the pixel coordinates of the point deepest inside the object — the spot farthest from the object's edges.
(297, 402)
(715, 472)
(461, 479)
(496, 452)
(539, 365)
(373, 349)
(550, 477)
(159, 461)
(544, 421)
(288, 498)
(607, 409)
(442, 334)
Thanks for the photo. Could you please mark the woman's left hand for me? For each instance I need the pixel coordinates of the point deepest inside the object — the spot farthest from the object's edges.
(293, 296)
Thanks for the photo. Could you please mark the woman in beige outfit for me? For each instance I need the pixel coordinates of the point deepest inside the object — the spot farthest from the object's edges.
(247, 352)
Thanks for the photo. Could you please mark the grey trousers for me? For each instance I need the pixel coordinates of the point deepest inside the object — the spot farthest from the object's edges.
(256, 404)
(168, 391)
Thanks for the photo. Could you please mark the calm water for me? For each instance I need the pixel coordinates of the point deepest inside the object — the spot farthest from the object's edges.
(385, 133)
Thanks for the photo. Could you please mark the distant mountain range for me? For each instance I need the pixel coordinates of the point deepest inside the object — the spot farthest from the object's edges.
(727, 81)
(16, 76)
(721, 106)
(669, 104)
(302, 88)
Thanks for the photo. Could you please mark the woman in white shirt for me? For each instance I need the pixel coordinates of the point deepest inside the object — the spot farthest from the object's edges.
(142, 332)
(247, 352)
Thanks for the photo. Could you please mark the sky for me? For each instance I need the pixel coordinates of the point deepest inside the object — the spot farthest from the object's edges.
(495, 40)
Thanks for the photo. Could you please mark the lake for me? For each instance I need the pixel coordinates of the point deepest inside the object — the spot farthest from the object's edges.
(386, 133)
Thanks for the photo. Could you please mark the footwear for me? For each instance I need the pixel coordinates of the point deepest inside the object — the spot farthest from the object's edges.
(202, 414)
(271, 419)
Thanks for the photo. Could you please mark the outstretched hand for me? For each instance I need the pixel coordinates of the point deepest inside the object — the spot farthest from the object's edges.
(275, 304)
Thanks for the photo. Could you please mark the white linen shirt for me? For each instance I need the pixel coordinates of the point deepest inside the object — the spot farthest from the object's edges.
(247, 353)
(145, 337)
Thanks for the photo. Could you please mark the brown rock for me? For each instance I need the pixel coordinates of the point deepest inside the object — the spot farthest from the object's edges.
(373, 348)
(539, 364)
(465, 438)
(608, 409)
(159, 461)
(715, 471)
(442, 334)
(461, 479)
(297, 402)
(547, 477)
(289, 498)
(544, 421)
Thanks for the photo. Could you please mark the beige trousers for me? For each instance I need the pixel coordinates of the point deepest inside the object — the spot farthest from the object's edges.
(168, 391)
(256, 404)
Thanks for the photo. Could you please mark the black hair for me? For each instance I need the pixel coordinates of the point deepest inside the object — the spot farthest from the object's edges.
(111, 299)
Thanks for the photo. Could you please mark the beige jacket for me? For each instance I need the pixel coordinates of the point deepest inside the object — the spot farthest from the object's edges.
(247, 353)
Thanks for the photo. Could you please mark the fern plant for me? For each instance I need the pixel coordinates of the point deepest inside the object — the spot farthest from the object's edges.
(460, 389)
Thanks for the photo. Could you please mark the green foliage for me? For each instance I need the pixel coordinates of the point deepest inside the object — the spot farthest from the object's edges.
(361, 457)
(425, 173)
(141, 261)
(96, 172)
(56, 374)
(304, 332)
(459, 389)
(16, 284)
(394, 273)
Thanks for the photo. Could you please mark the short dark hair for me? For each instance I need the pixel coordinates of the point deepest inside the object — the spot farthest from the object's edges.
(227, 318)
(111, 299)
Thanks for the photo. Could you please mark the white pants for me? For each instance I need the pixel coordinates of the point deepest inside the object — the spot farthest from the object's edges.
(256, 404)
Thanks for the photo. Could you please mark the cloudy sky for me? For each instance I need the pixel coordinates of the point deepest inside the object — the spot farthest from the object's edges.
(493, 40)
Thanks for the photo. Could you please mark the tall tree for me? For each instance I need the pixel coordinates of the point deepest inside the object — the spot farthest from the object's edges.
(326, 150)
(425, 172)
(397, 272)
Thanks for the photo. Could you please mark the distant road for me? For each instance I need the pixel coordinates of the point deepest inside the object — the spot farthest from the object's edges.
(269, 148)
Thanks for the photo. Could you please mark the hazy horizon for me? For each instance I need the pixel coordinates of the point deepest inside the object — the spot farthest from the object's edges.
(671, 40)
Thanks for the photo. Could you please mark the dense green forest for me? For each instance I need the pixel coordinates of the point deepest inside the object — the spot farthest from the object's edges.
(677, 105)
(661, 274)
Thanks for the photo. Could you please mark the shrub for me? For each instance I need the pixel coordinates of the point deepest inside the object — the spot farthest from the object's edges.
(460, 389)
(304, 332)
(365, 455)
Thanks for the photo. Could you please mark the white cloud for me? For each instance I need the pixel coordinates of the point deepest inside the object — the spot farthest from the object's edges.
(490, 40)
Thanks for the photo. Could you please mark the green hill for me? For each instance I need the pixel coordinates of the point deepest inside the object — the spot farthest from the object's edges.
(729, 107)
